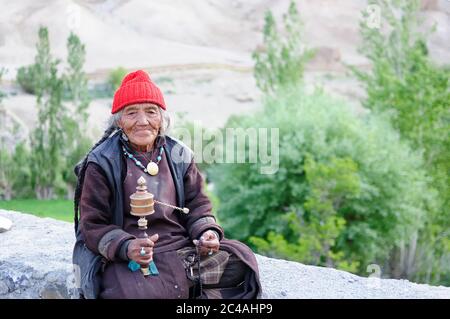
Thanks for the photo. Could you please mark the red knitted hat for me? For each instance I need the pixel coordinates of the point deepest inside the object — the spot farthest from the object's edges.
(137, 87)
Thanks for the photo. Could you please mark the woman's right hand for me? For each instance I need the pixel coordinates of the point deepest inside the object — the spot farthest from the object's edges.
(135, 246)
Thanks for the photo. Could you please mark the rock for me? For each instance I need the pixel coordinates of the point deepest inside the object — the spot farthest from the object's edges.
(35, 258)
(430, 5)
(284, 279)
(325, 58)
(3, 288)
(54, 291)
(244, 98)
(41, 268)
(5, 224)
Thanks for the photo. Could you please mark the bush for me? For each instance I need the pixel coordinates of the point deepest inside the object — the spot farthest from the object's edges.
(26, 78)
(186, 131)
(346, 192)
(5, 174)
(15, 173)
(115, 77)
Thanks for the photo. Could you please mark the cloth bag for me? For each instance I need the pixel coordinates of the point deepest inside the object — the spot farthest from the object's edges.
(211, 267)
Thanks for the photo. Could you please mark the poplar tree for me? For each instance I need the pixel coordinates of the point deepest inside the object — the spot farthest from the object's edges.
(76, 84)
(282, 58)
(407, 87)
(47, 139)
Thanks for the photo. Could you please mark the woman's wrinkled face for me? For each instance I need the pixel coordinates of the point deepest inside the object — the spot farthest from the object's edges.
(141, 123)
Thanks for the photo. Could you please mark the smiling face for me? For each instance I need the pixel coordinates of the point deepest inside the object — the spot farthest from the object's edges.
(141, 123)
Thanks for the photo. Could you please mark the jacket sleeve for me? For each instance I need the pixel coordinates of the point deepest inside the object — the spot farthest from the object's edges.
(200, 217)
(100, 235)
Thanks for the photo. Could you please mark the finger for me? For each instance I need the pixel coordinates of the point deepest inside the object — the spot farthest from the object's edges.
(209, 239)
(146, 242)
(144, 260)
(204, 251)
(209, 234)
(147, 250)
(210, 244)
(149, 256)
(204, 240)
(154, 237)
(208, 251)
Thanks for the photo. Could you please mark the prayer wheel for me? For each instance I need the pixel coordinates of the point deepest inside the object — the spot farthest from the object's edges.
(142, 205)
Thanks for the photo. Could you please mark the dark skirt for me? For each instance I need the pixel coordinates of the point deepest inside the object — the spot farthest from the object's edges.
(240, 279)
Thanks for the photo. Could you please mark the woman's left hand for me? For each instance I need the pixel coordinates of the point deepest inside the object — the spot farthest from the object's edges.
(209, 243)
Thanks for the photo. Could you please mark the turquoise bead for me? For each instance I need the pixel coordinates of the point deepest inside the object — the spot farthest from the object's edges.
(133, 266)
(153, 270)
(139, 163)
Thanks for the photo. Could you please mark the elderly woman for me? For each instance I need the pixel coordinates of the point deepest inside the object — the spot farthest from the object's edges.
(178, 244)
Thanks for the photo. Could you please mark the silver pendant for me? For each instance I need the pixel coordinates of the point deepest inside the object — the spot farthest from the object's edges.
(152, 168)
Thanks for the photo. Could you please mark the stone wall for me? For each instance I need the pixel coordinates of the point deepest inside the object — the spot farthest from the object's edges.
(36, 253)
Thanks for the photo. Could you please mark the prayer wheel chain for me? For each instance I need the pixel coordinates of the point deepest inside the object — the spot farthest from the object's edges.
(184, 209)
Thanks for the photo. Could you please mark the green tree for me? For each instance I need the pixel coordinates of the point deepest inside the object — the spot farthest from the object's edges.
(45, 65)
(409, 88)
(14, 162)
(47, 140)
(313, 231)
(281, 60)
(75, 123)
(346, 193)
(59, 140)
(5, 174)
(21, 172)
(75, 78)
(26, 78)
(115, 77)
(15, 174)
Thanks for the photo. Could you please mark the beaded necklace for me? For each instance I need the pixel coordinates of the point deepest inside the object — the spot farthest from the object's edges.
(153, 170)
(152, 167)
